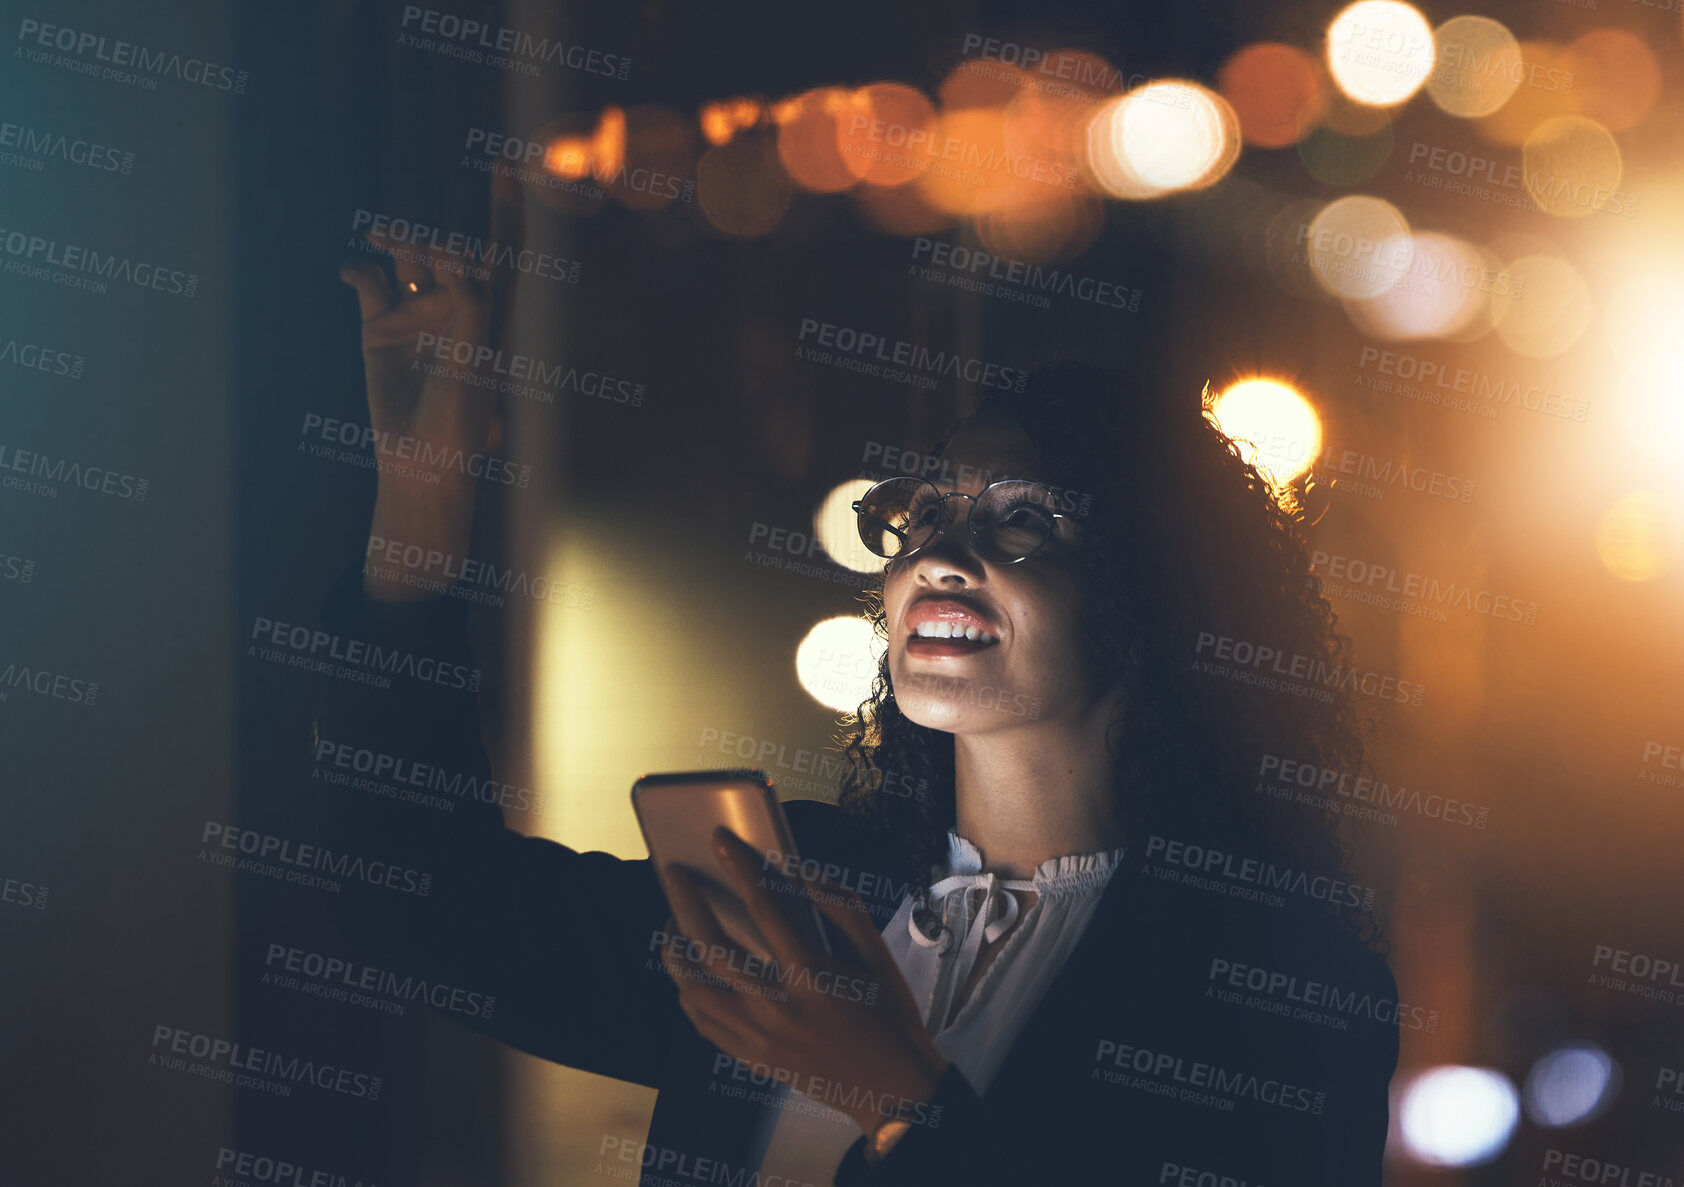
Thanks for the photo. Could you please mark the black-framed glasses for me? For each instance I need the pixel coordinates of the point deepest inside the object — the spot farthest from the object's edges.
(1009, 520)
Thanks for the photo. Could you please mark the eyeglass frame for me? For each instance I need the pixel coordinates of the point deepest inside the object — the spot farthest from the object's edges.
(970, 524)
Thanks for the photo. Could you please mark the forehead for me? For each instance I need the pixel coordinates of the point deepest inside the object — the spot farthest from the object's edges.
(987, 448)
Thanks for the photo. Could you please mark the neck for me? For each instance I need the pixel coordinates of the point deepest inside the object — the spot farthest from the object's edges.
(1038, 791)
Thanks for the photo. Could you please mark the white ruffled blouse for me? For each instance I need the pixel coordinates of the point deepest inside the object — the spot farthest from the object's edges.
(937, 948)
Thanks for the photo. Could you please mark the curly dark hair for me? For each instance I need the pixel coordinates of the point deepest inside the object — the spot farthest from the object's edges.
(1183, 539)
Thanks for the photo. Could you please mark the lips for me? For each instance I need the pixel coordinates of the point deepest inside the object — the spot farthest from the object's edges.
(947, 625)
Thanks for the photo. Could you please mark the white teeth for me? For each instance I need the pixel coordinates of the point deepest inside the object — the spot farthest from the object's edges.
(951, 630)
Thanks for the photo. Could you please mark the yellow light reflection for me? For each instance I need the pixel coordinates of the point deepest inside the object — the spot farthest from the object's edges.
(836, 526)
(1380, 52)
(1358, 247)
(1479, 66)
(1277, 430)
(837, 662)
(1546, 309)
(1650, 404)
(1572, 167)
(1637, 538)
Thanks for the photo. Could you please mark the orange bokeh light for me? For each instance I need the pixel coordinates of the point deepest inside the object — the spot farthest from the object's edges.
(883, 131)
(1618, 78)
(1278, 91)
(807, 143)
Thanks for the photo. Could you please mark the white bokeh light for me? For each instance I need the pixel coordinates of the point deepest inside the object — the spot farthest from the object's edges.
(837, 662)
(1457, 1116)
(1571, 1085)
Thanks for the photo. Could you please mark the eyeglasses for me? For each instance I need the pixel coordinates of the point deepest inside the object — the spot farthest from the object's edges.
(1009, 520)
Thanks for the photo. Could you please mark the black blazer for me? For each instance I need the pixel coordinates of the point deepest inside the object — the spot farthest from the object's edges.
(1137, 1066)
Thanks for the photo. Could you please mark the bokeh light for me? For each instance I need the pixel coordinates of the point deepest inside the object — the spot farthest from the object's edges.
(807, 140)
(741, 186)
(1358, 247)
(1571, 1086)
(1546, 308)
(1278, 92)
(1163, 136)
(1572, 167)
(1619, 80)
(1478, 66)
(1277, 430)
(837, 662)
(1649, 405)
(1450, 291)
(1457, 1116)
(1379, 52)
(1333, 158)
(1547, 86)
(1637, 539)
(883, 133)
(836, 526)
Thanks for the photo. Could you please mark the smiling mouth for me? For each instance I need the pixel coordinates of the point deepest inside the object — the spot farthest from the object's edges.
(954, 630)
(946, 640)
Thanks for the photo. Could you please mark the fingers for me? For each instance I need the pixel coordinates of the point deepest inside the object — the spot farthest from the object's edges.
(413, 276)
(695, 918)
(848, 912)
(374, 290)
(742, 865)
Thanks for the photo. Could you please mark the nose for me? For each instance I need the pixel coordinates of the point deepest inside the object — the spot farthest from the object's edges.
(949, 558)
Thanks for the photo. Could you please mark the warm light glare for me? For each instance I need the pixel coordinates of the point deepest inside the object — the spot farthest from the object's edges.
(1450, 277)
(837, 662)
(1358, 247)
(1546, 307)
(1572, 167)
(1278, 92)
(836, 526)
(1637, 538)
(1571, 1085)
(1380, 51)
(1457, 1116)
(1276, 429)
(1174, 135)
(1479, 66)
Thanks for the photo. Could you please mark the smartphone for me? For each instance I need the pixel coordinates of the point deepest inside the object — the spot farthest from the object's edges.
(678, 813)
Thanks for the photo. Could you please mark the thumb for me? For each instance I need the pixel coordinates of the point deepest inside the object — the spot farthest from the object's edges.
(368, 278)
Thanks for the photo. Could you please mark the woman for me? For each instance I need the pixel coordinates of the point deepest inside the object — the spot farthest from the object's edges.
(1099, 951)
